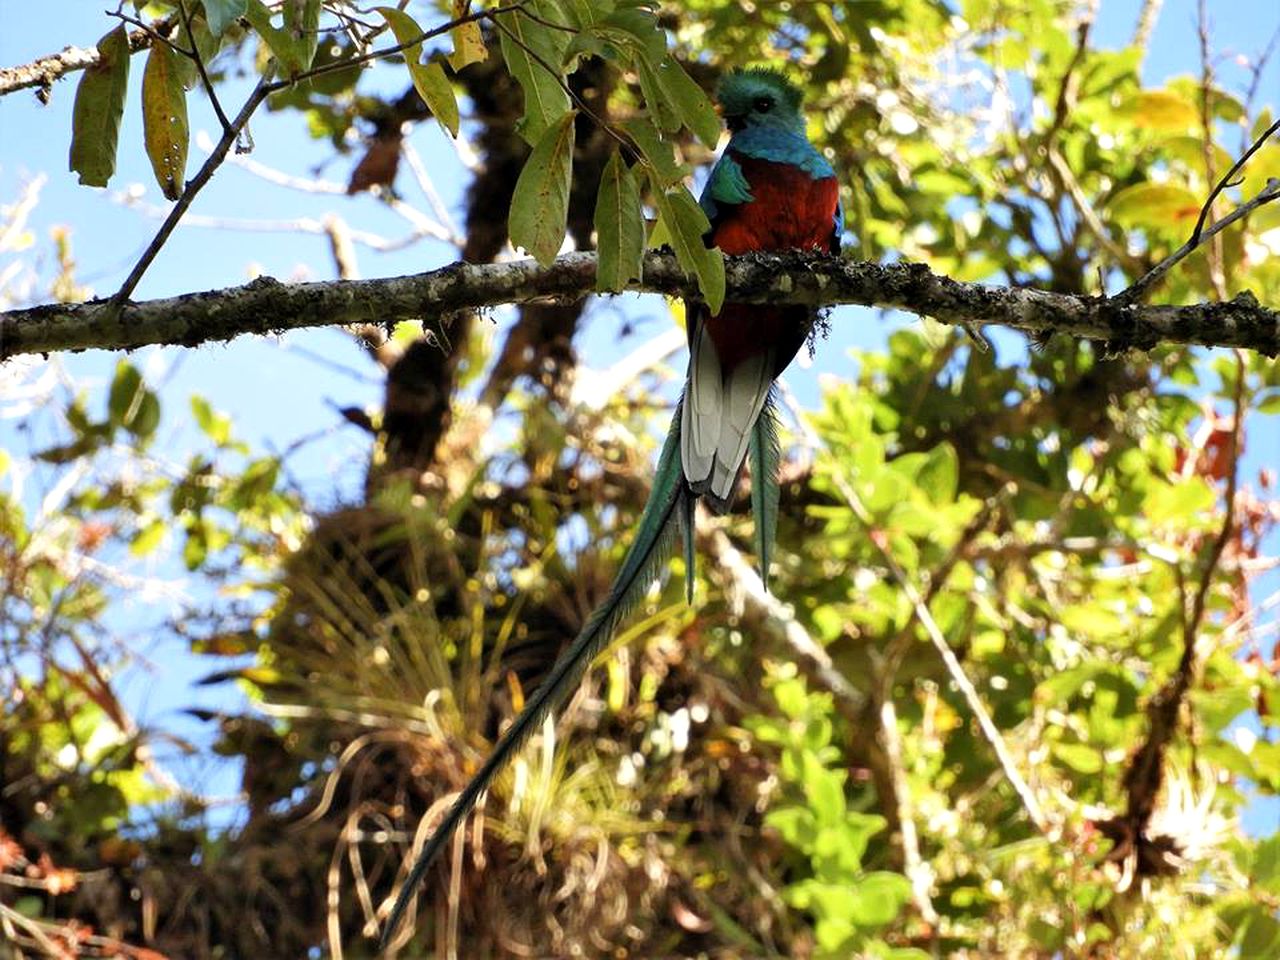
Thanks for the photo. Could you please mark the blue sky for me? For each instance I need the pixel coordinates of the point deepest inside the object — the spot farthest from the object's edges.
(277, 391)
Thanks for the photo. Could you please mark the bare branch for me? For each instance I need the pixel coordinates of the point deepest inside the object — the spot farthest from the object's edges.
(268, 306)
(42, 72)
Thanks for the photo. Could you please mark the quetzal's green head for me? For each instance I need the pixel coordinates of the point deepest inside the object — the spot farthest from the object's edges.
(759, 97)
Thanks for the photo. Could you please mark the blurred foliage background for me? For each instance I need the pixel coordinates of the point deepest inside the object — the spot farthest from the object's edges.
(1019, 681)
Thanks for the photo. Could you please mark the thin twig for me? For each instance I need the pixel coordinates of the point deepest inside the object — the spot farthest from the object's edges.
(397, 48)
(623, 141)
(1147, 18)
(1227, 182)
(193, 187)
(1217, 278)
(204, 75)
(1257, 69)
(1087, 214)
(917, 871)
(157, 33)
(1268, 193)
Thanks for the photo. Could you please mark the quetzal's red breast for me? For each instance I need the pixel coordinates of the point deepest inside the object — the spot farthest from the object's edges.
(789, 210)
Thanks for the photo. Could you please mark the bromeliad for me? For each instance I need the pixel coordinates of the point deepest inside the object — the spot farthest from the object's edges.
(770, 191)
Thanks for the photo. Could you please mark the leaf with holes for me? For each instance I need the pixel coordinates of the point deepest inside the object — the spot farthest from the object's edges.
(164, 119)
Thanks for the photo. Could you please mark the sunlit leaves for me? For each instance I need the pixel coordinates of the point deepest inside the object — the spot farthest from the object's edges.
(294, 44)
(540, 204)
(164, 119)
(95, 124)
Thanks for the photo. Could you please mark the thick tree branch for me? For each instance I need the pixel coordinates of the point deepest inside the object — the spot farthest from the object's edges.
(268, 306)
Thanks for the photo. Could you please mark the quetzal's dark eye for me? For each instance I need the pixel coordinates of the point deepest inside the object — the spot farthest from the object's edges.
(763, 105)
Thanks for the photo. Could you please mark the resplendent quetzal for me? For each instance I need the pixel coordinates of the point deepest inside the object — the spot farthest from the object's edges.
(770, 191)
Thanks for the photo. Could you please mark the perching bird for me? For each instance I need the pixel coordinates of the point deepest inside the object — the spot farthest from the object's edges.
(770, 191)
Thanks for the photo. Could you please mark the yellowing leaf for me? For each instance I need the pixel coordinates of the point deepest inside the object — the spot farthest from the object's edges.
(95, 119)
(468, 41)
(1159, 206)
(1162, 110)
(619, 223)
(428, 78)
(540, 205)
(164, 119)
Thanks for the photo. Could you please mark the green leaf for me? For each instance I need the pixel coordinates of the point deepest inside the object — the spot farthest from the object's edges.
(143, 423)
(302, 21)
(634, 31)
(939, 477)
(428, 78)
(222, 13)
(540, 205)
(125, 397)
(662, 111)
(657, 152)
(278, 41)
(689, 100)
(95, 119)
(434, 87)
(824, 790)
(529, 48)
(216, 426)
(619, 223)
(1159, 206)
(878, 898)
(685, 224)
(584, 14)
(1080, 757)
(164, 119)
